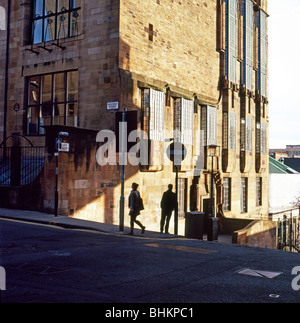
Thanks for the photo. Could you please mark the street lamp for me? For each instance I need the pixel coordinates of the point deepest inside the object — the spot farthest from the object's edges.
(56, 154)
(212, 232)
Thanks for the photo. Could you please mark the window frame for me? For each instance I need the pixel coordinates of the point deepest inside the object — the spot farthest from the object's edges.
(51, 104)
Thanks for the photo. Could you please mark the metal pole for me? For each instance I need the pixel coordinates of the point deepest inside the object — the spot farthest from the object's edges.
(6, 76)
(123, 147)
(176, 209)
(56, 184)
(212, 188)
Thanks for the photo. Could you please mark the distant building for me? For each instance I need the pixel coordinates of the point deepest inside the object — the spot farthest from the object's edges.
(195, 72)
(290, 151)
(284, 187)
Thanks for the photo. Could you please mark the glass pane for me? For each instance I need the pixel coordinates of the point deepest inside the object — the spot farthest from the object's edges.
(72, 111)
(72, 86)
(59, 83)
(37, 31)
(46, 88)
(62, 5)
(75, 4)
(33, 120)
(50, 7)
(62, 26)
(75, 23)
(46, 114)
(59, 117)
(38, 8)
(34, 90)
(49, 28)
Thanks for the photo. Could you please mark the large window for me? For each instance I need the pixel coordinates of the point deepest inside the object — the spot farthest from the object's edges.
(55, 19)
(153, 107)
(52, 100)
(183, 121)
(262, 53)
(231, 40)
(247, 6)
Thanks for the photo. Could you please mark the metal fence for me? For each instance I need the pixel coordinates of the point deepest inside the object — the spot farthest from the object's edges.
(20, 166)
(288, 233)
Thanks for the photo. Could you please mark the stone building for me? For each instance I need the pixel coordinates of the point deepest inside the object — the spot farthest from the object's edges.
(193, 72)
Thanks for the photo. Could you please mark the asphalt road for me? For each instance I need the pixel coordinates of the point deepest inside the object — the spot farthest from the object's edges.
(47, 264)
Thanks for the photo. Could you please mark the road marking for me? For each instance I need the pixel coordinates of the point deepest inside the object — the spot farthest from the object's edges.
(259, 273)
(181, 248)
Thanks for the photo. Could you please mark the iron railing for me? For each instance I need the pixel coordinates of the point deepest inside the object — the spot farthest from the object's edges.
(20, 166)
(288, 233)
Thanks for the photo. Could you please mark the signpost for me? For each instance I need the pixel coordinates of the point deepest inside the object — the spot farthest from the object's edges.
(64, 147)
(176, 152)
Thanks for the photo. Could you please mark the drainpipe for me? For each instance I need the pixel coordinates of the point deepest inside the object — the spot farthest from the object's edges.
(6, 73)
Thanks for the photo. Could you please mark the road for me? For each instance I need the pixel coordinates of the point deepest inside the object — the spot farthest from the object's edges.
(48, 264)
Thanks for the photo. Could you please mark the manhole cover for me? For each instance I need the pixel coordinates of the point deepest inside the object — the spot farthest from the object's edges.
(259, 273)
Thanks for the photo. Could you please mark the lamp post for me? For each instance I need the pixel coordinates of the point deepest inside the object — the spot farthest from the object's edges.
(212, 231)
(56, 154)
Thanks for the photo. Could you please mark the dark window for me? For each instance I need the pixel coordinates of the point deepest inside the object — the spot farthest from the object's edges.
(55, 19)
(52, 100)
(258, 191)
(244, 194)
(227, 194)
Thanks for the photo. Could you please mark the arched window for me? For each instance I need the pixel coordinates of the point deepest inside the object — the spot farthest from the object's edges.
(2, 18)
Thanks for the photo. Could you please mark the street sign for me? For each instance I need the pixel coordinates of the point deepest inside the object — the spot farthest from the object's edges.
(58, 142)
(112, 105)
(64, 147)
(176, 152)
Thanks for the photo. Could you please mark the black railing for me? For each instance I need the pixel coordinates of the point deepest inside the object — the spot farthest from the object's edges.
(20, 166)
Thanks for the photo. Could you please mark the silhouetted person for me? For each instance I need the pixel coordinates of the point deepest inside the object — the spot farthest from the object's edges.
(168, 204)
(134, 204)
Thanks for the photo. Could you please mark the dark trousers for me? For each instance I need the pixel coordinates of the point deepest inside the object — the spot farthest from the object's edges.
(134, 220)
(165, 218)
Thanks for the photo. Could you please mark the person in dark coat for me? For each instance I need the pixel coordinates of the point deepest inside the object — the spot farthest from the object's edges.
(168, 204)
(134, 206)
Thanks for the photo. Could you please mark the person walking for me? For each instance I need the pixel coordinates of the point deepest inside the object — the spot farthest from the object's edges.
(168, 204)
(134, 204)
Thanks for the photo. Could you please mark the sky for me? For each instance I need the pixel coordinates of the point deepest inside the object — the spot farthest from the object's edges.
(284, 72)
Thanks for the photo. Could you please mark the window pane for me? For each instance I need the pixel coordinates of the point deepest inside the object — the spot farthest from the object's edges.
(59, 92)
(59, 118)
(37, 31)
(72, 86)
(50, 7)
(38, 8)
(63, 5)
(75, 23)
(62, 26)
(45, 117)
(75, 4)
(34, 90)
(49, 28)
(46, 88)
(72, 110)
(33, 120)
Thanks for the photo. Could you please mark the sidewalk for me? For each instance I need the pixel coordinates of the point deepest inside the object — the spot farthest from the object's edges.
(72, 223)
